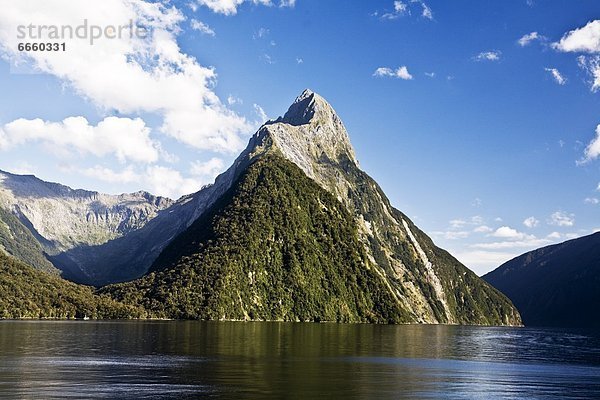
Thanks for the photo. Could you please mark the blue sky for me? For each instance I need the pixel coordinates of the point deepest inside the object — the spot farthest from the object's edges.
(487, 142)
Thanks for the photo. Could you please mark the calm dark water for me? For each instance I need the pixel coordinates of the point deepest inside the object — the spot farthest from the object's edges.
(281, 360)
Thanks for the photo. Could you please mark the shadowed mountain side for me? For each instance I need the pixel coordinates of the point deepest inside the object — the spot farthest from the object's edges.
(556, 285)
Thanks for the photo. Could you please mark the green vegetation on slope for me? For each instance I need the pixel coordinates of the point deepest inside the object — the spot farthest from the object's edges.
(29, 293)
(471, 299)
(18, 241)
(276, 246)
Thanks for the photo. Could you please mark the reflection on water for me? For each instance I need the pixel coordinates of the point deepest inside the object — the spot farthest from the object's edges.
(287, 360)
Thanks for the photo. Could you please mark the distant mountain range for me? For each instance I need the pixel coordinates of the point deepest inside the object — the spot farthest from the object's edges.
(556, 285)
(293, 230)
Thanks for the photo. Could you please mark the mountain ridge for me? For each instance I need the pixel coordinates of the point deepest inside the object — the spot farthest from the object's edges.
(555, 285)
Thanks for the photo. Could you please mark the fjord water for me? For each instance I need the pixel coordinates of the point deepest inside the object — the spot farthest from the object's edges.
(86, 359)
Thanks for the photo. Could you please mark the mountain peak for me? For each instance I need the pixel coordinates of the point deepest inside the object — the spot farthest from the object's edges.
(310, 134)
(306, 108)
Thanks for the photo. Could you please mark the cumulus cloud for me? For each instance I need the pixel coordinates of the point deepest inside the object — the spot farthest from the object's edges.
(530, 37)
(506, 232)
(400, 73)
(201, 27)
(492, 55)
(582, 40)
(133, 74)
(125, 138)
(483, 229)
(210, 168)
(158, 179)
(560, 218)
(168, 182)
(591, 200)
(230, 7)
(591, 152)
(105, 174)
(558, 78)
(531, 222)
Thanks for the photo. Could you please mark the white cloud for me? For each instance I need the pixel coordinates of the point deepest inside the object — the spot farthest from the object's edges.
(554, 236)
(261, 33)
(530, 37)
(267, 58)
(483, 229)
(131, 75)
(561, 218)
(481, 261)
(452, 235)
(592, 151)
(493, 55)
(427, 13)
(400, 8)
(230, 7)
(531, 222)
(582, 40)
(287, 3)
(125, 138)
(400, 72)
(202, 27)
(22, 168)
(430, 74)
(105, 174)
(231, 100)
(591, 65)
(591, 200)
(457, 223)
(509, 233)
(299, 60)
(164, 181)
(210, 168)
(262, 115)
(526, 243)
(561, 80)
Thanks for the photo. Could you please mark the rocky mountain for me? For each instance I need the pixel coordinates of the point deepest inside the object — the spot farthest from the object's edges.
(69, 228)
(556, 285)
(290, 266)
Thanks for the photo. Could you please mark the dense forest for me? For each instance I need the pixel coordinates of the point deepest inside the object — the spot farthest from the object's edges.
(275, 247)
(29, 293)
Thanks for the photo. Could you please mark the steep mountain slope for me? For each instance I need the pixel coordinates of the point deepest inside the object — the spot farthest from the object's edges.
(63, 221)
(17, 240)
(556, 285)
(423, 281)
(97, 239)
(276, 246)
(29, 293)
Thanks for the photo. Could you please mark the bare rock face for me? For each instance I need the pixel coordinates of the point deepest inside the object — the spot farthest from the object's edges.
(64, 218)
